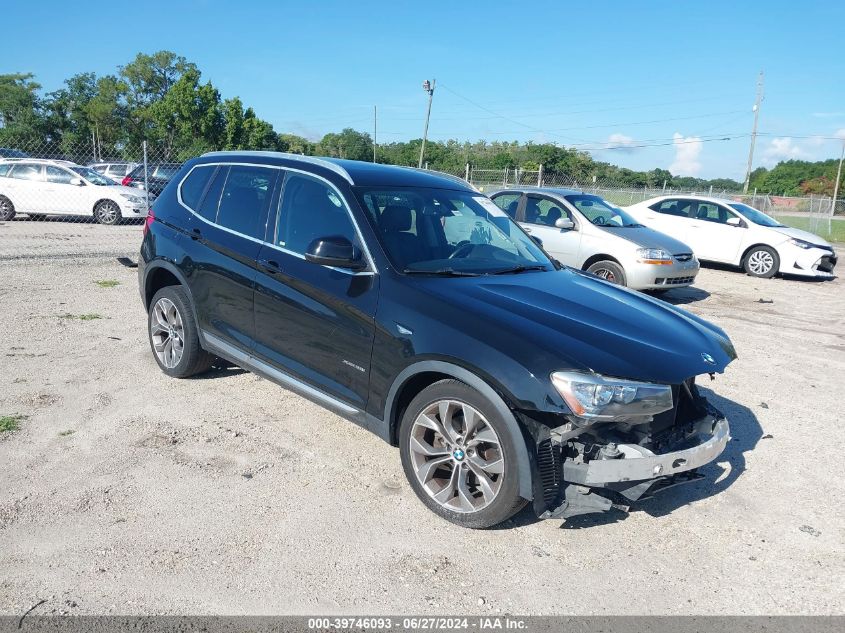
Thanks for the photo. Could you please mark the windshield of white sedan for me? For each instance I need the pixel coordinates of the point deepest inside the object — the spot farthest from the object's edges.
(752, 214)
(600, 212)
(444, 232)
(95, 178)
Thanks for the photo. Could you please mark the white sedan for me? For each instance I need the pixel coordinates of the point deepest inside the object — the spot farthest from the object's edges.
(733, 233)
(52, 187)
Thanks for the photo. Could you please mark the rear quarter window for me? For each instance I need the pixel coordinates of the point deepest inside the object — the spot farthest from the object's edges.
(195, 185)
(4, 169)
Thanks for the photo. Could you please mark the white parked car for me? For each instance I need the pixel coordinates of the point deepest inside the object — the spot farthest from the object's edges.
(734, 233)
(55, 187)
(584, 231)
(116, 170)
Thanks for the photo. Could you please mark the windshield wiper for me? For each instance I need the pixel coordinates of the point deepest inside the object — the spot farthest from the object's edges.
(519, 269)
(441, 272)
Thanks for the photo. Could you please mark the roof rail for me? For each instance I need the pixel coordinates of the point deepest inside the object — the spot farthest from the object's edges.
(327, 164)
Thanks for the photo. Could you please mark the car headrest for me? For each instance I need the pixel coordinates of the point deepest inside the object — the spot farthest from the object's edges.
(396, 218)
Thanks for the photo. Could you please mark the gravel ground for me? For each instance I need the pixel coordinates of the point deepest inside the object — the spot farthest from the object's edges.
(124, 491)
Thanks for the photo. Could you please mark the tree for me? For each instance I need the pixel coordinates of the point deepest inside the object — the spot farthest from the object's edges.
(349, 144)
(21, 118)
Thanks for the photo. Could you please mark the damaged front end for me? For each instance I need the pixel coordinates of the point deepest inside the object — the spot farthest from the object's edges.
(599, 459)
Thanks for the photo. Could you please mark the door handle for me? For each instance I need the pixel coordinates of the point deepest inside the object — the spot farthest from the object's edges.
(269, 265)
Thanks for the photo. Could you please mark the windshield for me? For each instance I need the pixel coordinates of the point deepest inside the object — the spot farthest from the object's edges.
(439, 231)
(752, 214)
(600, 212)
(93, 177)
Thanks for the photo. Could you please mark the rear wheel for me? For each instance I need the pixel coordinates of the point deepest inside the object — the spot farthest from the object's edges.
(761, 261)
(7, 209)
(173, 334)
(459, 457)
(107, 212)
(609, 271)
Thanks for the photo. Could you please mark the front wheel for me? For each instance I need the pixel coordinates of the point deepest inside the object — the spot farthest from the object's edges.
(761, 261)
(7, 209)
(609, 271)
(459, 456)
(107, 212)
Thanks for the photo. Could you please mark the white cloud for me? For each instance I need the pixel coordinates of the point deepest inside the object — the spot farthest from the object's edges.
(840, 133)
(620, 142)
(782, 149)
(687, 153)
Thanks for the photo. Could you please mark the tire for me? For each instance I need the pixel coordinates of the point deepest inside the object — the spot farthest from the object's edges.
(171, 320)
(446, 473)
(107, 212)
(761, 261)
(7, 209)
(609, 271)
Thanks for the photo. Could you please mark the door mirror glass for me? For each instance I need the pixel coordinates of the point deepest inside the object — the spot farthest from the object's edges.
(734, 221)
(334, 251)
(78, 182)
(564, 223)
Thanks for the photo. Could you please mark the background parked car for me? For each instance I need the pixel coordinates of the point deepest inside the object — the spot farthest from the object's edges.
(586, 232)
(52, 187)
(734, 233)
(115, 170)
(158, 175)
(6, 152)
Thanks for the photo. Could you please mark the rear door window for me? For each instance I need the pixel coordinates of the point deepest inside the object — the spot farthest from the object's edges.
(245, 199)
(24, 171)
(165, 172)
(509, 203)
(58, 175)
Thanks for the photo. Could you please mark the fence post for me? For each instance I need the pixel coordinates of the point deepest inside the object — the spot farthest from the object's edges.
(664, 185)
(466, 173)
(711, 191)
(540, 176)
(146, 184)
(505, 178)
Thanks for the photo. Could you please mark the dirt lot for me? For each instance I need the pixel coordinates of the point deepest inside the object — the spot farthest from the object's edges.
(124, 491)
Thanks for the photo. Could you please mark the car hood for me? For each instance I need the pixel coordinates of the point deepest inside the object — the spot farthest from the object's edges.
(801, 235)
(577, 321)
(645, 237)
(128, 191)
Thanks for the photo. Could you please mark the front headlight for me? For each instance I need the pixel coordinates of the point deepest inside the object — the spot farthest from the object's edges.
(801, 243)
(654, 256)
(133, 199)
(596, 398)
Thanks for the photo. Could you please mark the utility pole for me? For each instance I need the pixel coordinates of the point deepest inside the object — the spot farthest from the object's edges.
(429, 88)
(375, 132)
(754, 132)
(838, 176)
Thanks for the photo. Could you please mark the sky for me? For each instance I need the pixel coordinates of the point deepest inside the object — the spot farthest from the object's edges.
(638, 84)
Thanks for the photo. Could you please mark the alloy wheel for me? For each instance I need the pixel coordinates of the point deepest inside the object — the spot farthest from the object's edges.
(457, 456)
(108, 213)
(760, 262)
(167, 333)
(605, 274)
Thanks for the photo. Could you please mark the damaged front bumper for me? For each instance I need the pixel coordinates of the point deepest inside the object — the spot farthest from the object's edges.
(626, 473)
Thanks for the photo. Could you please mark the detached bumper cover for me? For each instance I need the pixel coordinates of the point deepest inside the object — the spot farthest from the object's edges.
(640, 464)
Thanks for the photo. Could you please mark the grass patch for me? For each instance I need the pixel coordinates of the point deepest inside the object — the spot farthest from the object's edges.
(81, 317)
(66, 433)
(10, 422)
(107, 283)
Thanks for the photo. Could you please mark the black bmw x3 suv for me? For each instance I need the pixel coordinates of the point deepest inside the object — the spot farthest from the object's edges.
(409, 303)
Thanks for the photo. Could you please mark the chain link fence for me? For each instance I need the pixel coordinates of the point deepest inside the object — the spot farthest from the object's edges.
(84, 200)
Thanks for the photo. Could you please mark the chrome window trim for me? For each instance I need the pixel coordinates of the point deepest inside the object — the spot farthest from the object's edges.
(298, 157)
(370, 262)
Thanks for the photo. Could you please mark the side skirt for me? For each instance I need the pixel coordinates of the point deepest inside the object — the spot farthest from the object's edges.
(221, 348)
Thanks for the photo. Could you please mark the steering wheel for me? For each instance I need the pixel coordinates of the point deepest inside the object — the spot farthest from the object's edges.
(464, 248)
(599, 220)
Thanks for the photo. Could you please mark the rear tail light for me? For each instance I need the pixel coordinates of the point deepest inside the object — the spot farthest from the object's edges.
(127, 180)
(149, 220)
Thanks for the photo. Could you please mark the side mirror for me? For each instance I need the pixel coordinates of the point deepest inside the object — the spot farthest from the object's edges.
(335, 251)
(564, 223)
(77, 182)
(734, 221)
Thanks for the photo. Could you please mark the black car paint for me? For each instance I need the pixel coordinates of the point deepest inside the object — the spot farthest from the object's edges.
(360, 337)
